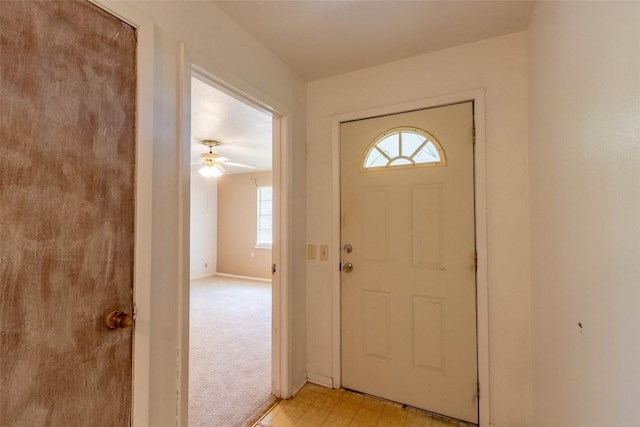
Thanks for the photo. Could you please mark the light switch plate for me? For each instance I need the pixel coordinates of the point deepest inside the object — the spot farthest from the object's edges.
(324, 252)
(311, 252)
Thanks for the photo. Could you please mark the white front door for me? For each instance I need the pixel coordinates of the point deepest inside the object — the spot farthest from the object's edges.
(408, 235)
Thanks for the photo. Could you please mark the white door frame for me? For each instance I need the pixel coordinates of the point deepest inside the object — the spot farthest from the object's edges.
(191, 62)
(480, 182)
(142, 227)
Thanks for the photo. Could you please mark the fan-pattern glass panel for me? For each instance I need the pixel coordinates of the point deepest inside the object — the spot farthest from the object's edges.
(427, 154)
(400, 161)
(376, 159)
(390, 145)
(403, 147)
(411, 142)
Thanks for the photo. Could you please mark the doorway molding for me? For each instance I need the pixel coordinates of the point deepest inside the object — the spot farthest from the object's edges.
(193, 62)
(480, 194)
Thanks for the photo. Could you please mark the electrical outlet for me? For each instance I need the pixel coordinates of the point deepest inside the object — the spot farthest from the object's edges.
(311, 252)
(324, 252)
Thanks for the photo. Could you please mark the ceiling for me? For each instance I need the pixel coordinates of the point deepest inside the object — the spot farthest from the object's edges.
(244, 131)
(324, 38)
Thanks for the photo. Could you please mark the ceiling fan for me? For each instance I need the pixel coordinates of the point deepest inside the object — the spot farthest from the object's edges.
(213, 162)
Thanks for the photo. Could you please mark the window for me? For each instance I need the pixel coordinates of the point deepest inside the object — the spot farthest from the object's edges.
(403, 147)
(265, 217)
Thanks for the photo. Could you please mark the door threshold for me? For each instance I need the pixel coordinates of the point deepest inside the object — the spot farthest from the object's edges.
(460, 423)
(262, 414)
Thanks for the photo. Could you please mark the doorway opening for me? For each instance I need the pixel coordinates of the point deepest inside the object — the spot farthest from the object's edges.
(231, 238)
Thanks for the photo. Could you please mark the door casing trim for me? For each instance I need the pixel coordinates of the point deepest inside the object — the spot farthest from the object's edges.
(480, 194)
(192, 61)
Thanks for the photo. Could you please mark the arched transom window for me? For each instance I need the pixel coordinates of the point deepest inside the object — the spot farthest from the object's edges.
(403, 147)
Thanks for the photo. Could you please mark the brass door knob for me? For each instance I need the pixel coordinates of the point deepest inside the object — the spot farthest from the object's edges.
(118, 319)
(347, 267)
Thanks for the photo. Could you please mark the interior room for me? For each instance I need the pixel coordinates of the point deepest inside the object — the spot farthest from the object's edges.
(230, 276)
(551, 93)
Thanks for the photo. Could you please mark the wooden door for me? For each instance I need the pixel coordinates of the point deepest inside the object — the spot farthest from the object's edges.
(408, 301)
(67, 149)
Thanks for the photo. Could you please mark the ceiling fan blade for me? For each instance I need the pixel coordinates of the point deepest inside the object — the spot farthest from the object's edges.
(219, 167)
(239, 165)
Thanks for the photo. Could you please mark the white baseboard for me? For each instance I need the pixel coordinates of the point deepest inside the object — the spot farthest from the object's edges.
(320, 380)
(299, 383)
(202, 276)
(235, 276)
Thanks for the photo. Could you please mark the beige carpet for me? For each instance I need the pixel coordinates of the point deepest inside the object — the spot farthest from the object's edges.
(230, 352)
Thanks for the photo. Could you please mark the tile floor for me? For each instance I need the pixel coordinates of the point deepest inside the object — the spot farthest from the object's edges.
(319, 406)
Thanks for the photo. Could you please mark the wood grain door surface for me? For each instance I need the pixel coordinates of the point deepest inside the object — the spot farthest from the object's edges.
(67, 150)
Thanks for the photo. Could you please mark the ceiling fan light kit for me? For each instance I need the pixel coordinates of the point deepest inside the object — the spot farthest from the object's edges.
(210, 168)
(210, 171)
(213, 162)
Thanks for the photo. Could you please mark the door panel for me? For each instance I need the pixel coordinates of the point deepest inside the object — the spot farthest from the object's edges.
(67, 149)
(408, 305)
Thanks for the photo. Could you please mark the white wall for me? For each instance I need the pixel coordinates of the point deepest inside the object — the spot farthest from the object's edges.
(204, 28)
(584, 132)
(204, 225)
(500, 67)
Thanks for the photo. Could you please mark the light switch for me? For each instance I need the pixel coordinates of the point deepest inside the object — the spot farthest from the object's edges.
(311, 251)
(324, 252)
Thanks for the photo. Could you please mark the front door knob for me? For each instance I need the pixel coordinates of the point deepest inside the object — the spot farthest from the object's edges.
(118, 319)
(347, 267)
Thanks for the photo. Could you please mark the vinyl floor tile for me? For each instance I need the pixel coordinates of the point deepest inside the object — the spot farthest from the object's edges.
(315, 406)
